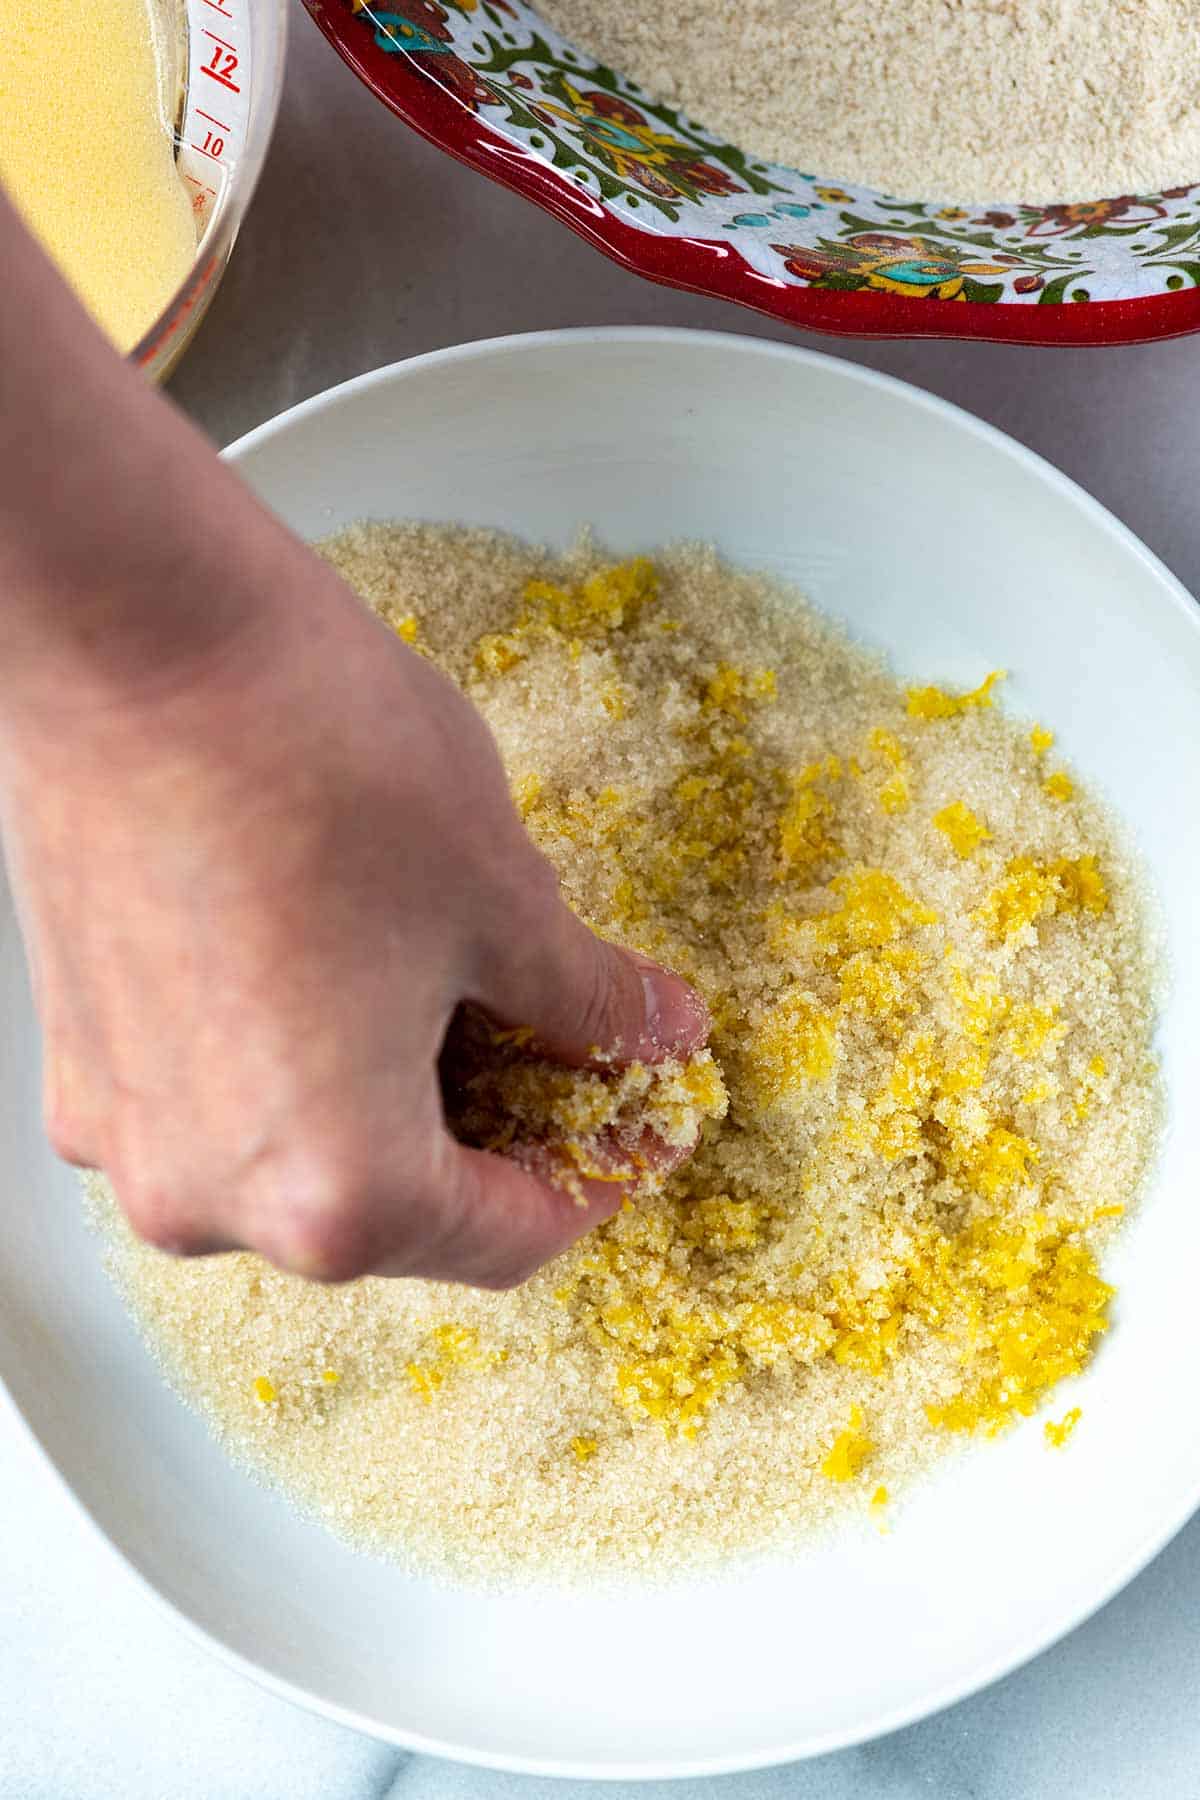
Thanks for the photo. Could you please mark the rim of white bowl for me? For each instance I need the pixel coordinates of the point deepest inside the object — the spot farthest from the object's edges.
(986, 1670)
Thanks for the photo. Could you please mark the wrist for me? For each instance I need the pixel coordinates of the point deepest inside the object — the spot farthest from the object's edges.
(128, 552)
(145, 610)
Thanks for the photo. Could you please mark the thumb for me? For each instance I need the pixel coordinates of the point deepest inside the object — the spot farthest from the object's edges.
(588, 1000)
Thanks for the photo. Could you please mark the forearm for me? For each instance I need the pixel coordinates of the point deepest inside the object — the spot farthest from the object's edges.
(119, 528)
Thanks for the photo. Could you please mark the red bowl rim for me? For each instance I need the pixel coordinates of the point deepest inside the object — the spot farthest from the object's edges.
(707, 266)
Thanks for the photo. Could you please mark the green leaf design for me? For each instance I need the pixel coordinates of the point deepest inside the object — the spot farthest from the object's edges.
(1173, 237)
(1190, 269)
(1055, 292)
(841, 282)
(984, 293)
(506, 56)
(1101, 230)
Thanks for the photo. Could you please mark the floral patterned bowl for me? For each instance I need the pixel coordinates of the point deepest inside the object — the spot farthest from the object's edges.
(491, 83)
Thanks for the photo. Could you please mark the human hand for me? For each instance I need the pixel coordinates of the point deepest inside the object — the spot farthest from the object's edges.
(254, 894)
(261, 852)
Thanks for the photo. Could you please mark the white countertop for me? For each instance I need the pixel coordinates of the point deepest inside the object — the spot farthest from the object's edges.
(365, 246)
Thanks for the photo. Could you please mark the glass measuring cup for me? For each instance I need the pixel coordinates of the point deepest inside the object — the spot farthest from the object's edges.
(222, 70)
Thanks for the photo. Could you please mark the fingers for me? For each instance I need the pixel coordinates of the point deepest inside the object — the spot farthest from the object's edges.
(500, 1218)
(495, 1220)
(586, 999)
(485, 1220)
(440, 1211)
(377, 1185)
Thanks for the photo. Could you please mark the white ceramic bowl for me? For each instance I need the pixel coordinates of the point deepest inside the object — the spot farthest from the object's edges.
(956, 551)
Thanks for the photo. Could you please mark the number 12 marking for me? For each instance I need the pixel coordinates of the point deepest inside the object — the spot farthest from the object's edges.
(222, 66)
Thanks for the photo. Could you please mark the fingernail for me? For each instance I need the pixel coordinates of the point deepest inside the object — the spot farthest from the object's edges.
(676, 1019)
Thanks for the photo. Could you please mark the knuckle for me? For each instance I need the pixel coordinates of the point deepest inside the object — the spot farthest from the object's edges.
(152, 1210)
(605, 1010)
(69, 1112)
(323, 1230)
(67, 1139)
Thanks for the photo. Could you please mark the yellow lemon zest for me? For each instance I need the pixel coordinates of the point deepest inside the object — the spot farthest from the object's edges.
(1057, 1435)
(850, 1449)
(962, 827)
(935, 703)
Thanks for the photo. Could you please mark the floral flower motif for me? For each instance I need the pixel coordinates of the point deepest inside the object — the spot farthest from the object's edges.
(954, 213)
(1093, 215)
(834, 196)
(999, 221)
(878, 259)
(630, 144)
(421, 31)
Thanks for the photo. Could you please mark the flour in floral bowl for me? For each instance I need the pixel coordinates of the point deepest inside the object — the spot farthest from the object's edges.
(1045, 99)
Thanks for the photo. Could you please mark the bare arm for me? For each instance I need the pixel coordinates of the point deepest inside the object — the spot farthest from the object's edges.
(261, 851)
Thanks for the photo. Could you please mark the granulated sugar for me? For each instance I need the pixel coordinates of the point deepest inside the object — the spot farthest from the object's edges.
(955, 100)
(929, 971)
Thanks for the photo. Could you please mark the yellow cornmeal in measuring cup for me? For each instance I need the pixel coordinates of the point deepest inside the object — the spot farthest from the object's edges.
(86, 152)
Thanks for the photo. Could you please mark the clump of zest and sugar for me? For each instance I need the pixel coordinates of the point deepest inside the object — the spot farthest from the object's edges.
(1035, 888)
(850, 1450)
(935, 703)
(961, 828)
(793, 1043)
(448, 1347)
(927, 1103)
(806, 820)
(575, 613)
(577, 1125)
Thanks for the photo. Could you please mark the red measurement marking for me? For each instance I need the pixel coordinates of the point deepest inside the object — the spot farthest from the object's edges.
(202, 185)
(222, 64)
(223, 10)
(218, 122)
(223, 79)
(212, 149)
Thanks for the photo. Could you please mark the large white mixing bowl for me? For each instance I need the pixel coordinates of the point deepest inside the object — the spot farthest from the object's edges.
(957, 552)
